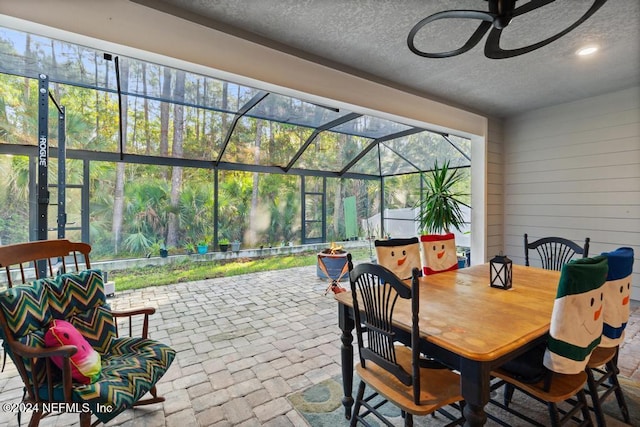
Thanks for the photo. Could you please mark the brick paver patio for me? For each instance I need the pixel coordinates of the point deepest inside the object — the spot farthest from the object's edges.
(243, 344)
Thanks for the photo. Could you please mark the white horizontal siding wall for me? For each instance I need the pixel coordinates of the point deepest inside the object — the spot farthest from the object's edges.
(573, 170)
(495, 189)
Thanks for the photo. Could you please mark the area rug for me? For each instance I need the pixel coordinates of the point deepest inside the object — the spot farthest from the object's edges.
(321, 406)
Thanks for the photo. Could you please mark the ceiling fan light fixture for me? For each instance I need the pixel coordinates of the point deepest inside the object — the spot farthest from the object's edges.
(587, 50)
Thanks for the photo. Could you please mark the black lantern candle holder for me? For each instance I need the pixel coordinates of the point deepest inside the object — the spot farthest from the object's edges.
(501, 272)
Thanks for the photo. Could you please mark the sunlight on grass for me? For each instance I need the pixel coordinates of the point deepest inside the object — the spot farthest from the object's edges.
(142, 277)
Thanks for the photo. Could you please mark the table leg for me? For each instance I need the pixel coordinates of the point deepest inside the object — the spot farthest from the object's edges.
(474, 415)
(345, 321)
(475, 383)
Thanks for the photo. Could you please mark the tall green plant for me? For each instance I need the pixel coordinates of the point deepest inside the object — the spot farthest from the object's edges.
(440, 206)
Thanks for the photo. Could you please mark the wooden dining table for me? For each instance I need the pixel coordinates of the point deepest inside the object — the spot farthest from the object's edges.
(467, 324)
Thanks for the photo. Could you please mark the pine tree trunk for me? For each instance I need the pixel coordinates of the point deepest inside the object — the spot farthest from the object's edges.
(164, 114)
(177, 151)
(118, 198)
(252, 239)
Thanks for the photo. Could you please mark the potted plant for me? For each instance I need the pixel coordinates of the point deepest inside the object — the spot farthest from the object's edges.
(157, 247)
(190, 248)
(440, 212)
(235, 245)
(223, 244)
(163, 251)
(440, 207)
(203, 247)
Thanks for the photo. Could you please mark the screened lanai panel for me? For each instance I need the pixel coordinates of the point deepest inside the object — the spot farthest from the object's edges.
(414, 153)
(382, 161)
(294, 111)
(16, 123)
(202, 91)
(261, 142)
(149, 134)
(30, 55)
(92, 125)
(331, 151)
(147, 80)
(370, 127)
(463, 145)
(428, 147)
(402, 192)
(219, 120)
(14, 193)
(284, 141)
(369, 164)
(400, 161)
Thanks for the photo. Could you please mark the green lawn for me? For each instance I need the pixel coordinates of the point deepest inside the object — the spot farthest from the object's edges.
(187, 271)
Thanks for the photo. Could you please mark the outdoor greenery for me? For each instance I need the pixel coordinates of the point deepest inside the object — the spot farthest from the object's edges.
(150, 201)
(187, 271)
(134, 208)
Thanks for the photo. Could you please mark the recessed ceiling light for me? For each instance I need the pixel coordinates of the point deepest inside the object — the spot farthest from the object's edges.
(587, 50)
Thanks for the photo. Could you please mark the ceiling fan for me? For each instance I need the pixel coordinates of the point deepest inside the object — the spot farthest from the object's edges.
(500, 14)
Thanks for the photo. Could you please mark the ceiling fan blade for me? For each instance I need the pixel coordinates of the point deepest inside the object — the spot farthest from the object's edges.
(532, 5)
(477, 35)
(493, 50)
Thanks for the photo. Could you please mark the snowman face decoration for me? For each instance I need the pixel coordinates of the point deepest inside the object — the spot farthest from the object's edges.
(593, 320)
(401, 259)
(442, 255)
(617, 295)
(617, 309)
(439, 253)
(617, 298)
(588, 308)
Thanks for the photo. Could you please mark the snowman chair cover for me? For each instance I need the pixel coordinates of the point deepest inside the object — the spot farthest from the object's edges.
(617, 295)
(439, 253)
(400, 256)
(576, 321)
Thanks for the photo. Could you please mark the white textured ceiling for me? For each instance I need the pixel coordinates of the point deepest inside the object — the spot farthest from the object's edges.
(368, 38)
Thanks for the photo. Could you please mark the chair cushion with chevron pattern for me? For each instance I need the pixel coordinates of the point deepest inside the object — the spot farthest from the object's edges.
(73, 293)
(79, 299)
(97, 326)
(27, 313)
(26, 308)
(129, 370)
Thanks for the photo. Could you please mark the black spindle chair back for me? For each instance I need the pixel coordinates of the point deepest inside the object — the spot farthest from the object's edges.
(554, 252)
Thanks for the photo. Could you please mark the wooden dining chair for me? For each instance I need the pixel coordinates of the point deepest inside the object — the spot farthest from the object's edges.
(400, 256)
(395, 372)
(602, 368)
(554, 252)
(575, 331)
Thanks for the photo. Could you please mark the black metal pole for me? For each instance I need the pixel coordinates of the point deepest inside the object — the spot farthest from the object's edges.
(382, 230)
(120, 128)
(85, 214)
(43, 156)
(303, 210)
(216, 207)
(62, 174)
(324, 209)
(43, 163)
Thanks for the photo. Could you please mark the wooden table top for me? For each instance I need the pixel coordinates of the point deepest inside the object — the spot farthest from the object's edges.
(460, 312)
